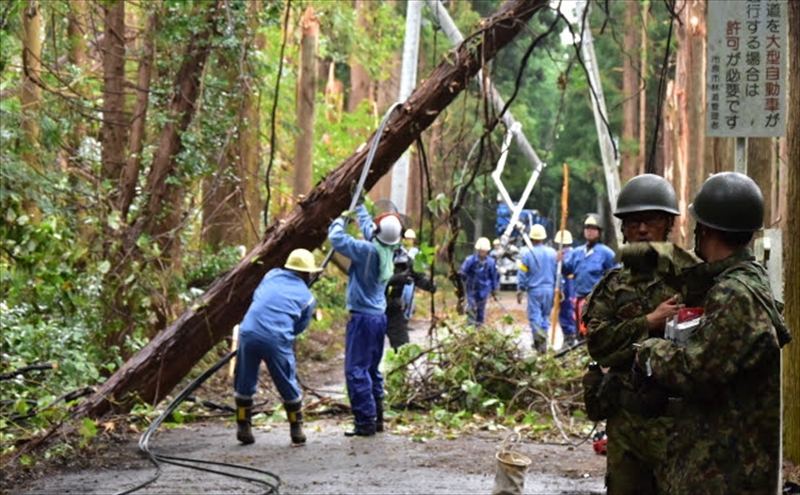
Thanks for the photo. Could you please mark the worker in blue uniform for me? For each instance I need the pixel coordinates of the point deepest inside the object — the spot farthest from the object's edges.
(281, 309)
(588, 263)
(537, 277)
(479, 274)
(371, 267)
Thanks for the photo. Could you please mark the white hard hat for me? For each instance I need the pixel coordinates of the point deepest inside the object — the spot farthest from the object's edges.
(591, 221)
(483, 244)
(410, 234)
(563, 237)
(389, 228)
(301, 260)
(538, 233)
(496, 242)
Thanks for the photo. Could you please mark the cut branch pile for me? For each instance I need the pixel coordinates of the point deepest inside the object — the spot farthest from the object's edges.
(484, 371)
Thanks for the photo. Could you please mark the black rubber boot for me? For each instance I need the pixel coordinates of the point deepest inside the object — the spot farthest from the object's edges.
(363, 430)
(244, 420)
(539, 343)
(295, 417)
(379, 415)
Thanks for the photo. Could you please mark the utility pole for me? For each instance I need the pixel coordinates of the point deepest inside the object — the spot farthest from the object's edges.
(600, 117)
(408, 80)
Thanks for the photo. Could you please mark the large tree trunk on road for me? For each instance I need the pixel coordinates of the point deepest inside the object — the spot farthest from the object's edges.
(155, 370)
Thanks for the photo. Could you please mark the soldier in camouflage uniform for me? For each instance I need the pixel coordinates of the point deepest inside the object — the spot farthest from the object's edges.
(629, 305)
(727, 437)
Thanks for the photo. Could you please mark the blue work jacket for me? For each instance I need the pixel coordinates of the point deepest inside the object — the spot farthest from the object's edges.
(282, 306)
(365, 292)
(537, 269)
(479, 277)
(588, 266)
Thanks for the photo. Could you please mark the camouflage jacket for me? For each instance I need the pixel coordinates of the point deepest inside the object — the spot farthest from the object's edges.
(616, 309)
(728, 432)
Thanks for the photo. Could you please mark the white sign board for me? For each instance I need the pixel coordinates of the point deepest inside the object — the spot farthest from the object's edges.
(747, 69)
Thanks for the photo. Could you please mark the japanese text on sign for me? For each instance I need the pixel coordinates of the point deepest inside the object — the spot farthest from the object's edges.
(746, 79)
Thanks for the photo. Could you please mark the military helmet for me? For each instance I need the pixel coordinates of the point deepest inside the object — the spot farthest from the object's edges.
(563, 237)
(389, 228)
(538, 233)
(647, 192)
(301, 260)
(483, 244)
(729, 201)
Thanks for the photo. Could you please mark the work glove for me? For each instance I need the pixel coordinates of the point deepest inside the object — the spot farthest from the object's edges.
(519, 296)
(402, 278)
(494, 295)
(348, 215)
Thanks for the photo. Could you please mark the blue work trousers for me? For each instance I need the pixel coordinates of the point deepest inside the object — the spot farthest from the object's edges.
(566, 315)
(540, 303)
(476, 309)
(277, 353)
(363, 353)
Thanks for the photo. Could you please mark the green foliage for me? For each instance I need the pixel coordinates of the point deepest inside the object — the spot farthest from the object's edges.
(482, 373)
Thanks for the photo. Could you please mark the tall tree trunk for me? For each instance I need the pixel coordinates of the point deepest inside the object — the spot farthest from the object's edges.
(360, 82)
(695, 19)
(791, 248)
(161, 216)
(31, 94)
(180, 111)
(761, 157)
(630, 88)
(645, 5)
(130, 174)
(306, 96)
(231, 200)
(76, 29)
(781, 211)
(387, 94)
(250, 144)
(689, 102)
(153, 372)
(115, 123)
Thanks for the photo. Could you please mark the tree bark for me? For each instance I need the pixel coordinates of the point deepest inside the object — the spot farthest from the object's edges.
(31, 94)
(181, 109)
(688, 99)
(761, 158)
(76, 27)
(630, 87)
(155, 370)
(115, 123)
(130, 173)
(306, 96)
(231, 201)
(791, 249)
(645, 7)
(360, 83)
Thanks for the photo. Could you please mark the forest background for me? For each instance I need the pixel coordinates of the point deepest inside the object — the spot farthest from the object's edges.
(148, 146)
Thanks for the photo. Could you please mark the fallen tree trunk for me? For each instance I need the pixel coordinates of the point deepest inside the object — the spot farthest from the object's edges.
(156, 369)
